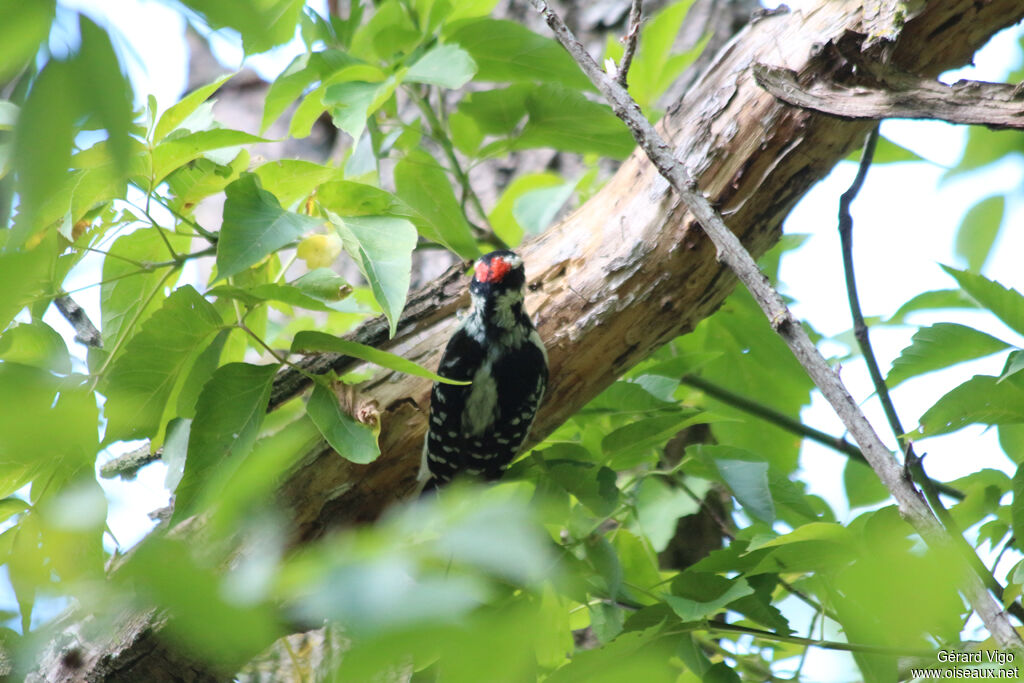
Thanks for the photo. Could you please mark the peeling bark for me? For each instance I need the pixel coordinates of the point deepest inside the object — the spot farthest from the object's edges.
(899, 96)
(621, 276)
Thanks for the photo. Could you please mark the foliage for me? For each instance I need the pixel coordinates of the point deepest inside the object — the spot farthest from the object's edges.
(585, 531)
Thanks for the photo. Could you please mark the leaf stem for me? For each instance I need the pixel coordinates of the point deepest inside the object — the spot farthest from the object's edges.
(439, 135)
(126, 332)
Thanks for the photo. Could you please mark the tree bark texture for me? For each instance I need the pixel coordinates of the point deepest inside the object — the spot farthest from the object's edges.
(621, 276)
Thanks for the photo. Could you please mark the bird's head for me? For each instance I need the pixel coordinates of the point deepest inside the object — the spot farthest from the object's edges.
(497, 273)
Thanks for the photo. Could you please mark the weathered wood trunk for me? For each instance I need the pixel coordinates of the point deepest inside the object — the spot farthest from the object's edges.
(627, 272)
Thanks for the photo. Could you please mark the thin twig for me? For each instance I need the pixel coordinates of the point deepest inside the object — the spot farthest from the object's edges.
(825, 644)
(486, 232)
(181, 258)
(731, 251)
(126, 466)
(860, 331)
(792, 426)
(85, 332)
(631, 39)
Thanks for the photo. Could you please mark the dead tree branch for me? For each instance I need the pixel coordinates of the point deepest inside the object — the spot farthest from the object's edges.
(896, 95)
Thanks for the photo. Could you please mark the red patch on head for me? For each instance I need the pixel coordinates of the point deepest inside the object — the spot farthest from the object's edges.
(494, 271)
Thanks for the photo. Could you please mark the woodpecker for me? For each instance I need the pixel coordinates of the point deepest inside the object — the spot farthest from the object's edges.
(478, 428)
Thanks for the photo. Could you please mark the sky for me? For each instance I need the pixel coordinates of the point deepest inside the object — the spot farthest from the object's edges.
(905, 221)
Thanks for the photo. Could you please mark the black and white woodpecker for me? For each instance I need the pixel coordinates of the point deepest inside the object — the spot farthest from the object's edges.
(478, 428)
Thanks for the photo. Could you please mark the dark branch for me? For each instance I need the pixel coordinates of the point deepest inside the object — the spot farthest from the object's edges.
(897, 95)
(860, 331)
(85, 332)
(792, 426)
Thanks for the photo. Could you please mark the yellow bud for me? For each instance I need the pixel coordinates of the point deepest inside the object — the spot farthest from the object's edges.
(319, 251)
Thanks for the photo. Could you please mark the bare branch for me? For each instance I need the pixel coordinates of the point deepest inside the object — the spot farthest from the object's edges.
(85, 332)
(900, 96)
(730, 250)
(128, 465)
(860, 331)
(631, 39)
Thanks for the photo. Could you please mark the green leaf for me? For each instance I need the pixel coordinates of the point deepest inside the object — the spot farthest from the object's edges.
(242, 490)
(348, 198)
(291, 180)
(176, 451)
(262, 24)
(254, 226)
(353, 441)
(566, 120)
(628, 445)
(30, 434)
(1011, 440)
(202, 369)
(1017, 506)
(748, 481)
(422, 184)
(37, 344)
(499, 111)
(174, 153)
(759, 606)
(982, 399)
(862, 485)
(229, 413)
(304, 70)
(181, 110)
(143, 376)
(382, 248)
(813, 547)
(632, 656)
(163, 573)
(126, 288)
(389, 33)
(317, 290)
(202, 178)
(938, 299)
(311, 341)
(978, 231)
(42, 142)
(24, 27)
(448, 66)
(536, 209)
(24, 275)
(591, 485)
(507, 51)
(940, 346)
(752, 361)
(984, 146)
(503, 216)
(887, 152)
(1007, 304)
(705, 595)
(655, 68)
(658, 509)
(352, 102)
(10, 507)
(103, 89)
(605, 561)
